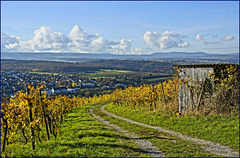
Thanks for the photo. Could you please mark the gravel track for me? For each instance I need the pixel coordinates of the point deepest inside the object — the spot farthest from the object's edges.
(144, 145)
(217, 149)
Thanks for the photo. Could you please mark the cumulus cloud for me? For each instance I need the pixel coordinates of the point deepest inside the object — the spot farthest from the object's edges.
(77, 34)
(164, 40)
(44, 40)
(8, 40)
(125, 44)
(102, 44)
(124, 47)
(136, 51)
(227, 38)
(80, 40)
(202, 39)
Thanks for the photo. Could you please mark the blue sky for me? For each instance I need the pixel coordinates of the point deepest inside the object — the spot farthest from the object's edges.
(120, 27)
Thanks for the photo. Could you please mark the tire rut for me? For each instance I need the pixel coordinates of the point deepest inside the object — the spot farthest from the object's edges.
(144, 145)
(211, 147)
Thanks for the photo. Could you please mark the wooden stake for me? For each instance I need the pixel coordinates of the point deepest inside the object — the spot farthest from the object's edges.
(164, 100)
(31, 119)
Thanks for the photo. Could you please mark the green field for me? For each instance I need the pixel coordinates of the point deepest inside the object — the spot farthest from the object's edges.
(159, 78)
(37, 72)
(169, 145)
(107, 73)
(81, 136)
(218, 129)
(46, 73)
(115, 70)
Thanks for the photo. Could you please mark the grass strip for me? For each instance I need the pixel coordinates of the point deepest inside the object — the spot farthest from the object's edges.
(81, 136)
(170, 146)
(218, 129)
(159, 78)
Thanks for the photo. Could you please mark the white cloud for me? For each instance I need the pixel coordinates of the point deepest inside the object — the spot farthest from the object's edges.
(102, 44)
(202, 39)
(124, 47)
(137, 51)
(227, 38)
(125, 44)
(43, 41)
(164, 40)
(78, 40)
(77, 34)
(84, 42)
(8, 40)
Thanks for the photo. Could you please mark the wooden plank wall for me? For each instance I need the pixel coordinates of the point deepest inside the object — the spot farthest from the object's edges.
(188, 95)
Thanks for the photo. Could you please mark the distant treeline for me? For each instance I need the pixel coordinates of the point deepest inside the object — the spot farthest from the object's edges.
(137, 65)
(45, 66)
(96, 65)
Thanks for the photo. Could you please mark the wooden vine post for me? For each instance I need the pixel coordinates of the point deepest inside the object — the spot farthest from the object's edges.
(61, 116)
(44, 114)
(51, 120)
(153, 98)
(164, 100)
(31, 119)
(23, 136)
(5, 131)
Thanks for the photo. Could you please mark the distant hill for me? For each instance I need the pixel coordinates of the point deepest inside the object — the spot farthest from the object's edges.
(82, 57)
(179, 54)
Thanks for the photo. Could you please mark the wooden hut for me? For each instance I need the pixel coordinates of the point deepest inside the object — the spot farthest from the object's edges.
(196, 81)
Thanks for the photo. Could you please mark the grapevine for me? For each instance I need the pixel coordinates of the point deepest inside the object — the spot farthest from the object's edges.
(32, 117)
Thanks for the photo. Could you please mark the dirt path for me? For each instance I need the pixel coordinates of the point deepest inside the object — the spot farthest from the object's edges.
(144, 145)
(217, 149)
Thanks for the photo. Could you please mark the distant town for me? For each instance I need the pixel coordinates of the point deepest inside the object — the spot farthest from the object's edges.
(12, 82)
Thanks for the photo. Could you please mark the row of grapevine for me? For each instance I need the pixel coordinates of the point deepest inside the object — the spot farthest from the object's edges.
(32, 117)
(224, 98)
(147, 95)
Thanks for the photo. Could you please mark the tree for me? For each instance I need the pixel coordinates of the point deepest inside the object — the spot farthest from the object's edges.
(74, 84)
(88, 94)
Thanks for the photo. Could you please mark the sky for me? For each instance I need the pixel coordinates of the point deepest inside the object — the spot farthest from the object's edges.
(136, 27)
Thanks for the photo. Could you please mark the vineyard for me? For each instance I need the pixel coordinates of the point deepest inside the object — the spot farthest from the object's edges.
(32, 117)
(147, 95)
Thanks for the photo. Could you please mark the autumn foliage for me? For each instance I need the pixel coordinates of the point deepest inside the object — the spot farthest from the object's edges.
(32, 117)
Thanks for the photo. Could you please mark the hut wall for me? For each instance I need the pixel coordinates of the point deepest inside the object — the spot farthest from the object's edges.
(189, 91)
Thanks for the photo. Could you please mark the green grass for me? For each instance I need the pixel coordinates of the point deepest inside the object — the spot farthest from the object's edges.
(169, 145)
(81, 136)
(218, 129)
(107, 73)
(107, 70)
(34, 72)
(43, 73)
(156, 79)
